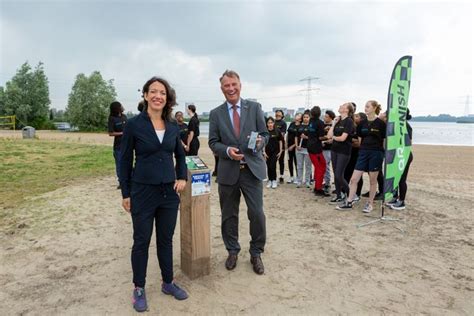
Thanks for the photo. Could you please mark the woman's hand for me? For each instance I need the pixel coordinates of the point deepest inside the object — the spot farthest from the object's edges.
(179, 185)
(303, 136)
(126, 204)
(265, 156)
(298, 148)
(279, 154)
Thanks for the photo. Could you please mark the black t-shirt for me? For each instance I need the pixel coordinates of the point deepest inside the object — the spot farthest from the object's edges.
(327, 146)
(116, 125)
(183, 132)
(316, 130)
(292, 132)
(281, 126)
(273, 145)
(344, 126)
(193, 126)
(302, 129)
(372, 134)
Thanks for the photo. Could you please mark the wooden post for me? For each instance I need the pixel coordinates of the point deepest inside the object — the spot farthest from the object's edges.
(195, 222)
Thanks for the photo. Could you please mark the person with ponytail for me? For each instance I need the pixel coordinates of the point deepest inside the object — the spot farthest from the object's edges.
(371, 133)
(358, 117)
(117, 121)
(340, 131)
(192, 144)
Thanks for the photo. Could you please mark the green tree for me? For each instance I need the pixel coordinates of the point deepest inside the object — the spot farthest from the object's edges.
(89, 101)
(26, 95)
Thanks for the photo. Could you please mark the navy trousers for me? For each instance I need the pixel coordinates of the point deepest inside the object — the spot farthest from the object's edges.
(159, 204)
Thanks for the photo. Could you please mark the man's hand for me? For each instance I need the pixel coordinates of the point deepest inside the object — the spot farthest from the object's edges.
(233, 153)
(259, 141)
(126, 204)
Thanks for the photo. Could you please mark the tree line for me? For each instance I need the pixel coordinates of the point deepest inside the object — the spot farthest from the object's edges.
(26, 95)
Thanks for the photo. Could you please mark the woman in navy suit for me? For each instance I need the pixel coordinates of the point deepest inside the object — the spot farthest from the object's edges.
(150, 187)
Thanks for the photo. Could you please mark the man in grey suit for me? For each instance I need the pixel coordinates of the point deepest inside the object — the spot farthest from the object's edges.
(241, 169)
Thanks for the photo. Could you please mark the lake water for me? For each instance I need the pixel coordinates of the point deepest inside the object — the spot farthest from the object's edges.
(426, 133)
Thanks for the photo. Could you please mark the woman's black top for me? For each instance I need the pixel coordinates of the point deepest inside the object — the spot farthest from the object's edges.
(292, 132)
(273, 145)
(343, 126)
(183, 132)
(316, 130)
(193, 126)
(116, 125)
(302, 129)
(372, 134)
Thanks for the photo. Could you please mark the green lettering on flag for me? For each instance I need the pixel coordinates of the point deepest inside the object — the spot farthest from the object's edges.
(398, 144)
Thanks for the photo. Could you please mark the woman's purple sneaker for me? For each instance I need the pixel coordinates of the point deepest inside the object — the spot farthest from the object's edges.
(173, 289)
(139, 299)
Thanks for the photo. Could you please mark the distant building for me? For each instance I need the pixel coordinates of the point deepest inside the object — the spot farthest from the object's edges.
(300, 110)
(290, 113)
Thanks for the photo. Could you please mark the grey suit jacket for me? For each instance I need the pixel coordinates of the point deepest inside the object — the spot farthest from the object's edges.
(221, 136)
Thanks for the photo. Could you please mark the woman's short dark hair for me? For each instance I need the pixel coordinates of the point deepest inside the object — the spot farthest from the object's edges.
(170, 97)
(270, 118)
(331, 114)
(115, 108)
(282, 114)
(315, 112)
(178, 112)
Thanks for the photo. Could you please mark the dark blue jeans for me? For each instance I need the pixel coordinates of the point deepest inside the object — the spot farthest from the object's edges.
(159, 204)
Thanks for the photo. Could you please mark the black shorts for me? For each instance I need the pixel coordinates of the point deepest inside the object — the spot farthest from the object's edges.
(369, 160)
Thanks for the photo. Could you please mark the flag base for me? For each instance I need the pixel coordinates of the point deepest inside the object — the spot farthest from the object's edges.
(381, 219)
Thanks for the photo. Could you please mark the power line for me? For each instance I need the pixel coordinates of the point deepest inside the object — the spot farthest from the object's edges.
(309, 89)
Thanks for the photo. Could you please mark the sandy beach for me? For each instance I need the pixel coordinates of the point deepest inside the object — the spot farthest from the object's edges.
(76, 259)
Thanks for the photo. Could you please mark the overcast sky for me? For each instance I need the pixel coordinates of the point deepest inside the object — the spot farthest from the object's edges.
(351, 46)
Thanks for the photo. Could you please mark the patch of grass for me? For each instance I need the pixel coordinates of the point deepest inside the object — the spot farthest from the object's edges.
(32, 167)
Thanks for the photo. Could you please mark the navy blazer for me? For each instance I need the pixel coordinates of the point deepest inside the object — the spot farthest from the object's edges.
(153, 160)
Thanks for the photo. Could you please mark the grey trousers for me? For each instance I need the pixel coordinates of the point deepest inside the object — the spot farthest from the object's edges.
(327, 175)
(303, 162)
(229, 197)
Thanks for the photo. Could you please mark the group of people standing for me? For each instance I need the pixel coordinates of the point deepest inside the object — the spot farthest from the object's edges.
(150, 151)
(352, 143)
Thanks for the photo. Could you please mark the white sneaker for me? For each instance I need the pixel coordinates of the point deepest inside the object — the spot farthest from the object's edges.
(274, 184)
(367, 208)
(290, 180)
(269, 184)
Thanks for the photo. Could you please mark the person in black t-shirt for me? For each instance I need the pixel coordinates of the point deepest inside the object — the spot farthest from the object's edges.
(116, 124)
(358, 117)
(290, 142)
(280, 125)
(371, 133)
(192, 143)
(183, 128)
(398, 202)
(340, 131)
(302, 157)
(328, 118)
(315, 150)
(273, 151)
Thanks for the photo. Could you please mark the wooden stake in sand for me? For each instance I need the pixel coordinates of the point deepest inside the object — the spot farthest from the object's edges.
(195, 220)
